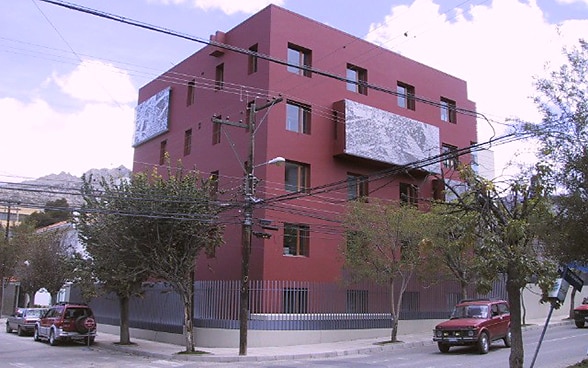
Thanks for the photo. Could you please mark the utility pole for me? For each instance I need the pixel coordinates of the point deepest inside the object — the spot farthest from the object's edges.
(249, 192)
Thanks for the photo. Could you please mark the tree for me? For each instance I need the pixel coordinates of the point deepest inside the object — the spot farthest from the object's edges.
(54, 212)
(509, 221)
(45, 260)
(105, 227)
(8, 260)
(562, 99)
(383, 245)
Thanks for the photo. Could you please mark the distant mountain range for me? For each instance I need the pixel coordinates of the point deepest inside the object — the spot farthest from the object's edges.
(37, 192)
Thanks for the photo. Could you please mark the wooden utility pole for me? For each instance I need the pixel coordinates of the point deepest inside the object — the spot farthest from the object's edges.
(249, 192)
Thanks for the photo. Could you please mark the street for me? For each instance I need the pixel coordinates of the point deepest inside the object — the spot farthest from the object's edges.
(562, 346)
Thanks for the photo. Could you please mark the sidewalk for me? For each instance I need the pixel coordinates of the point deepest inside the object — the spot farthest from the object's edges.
(170, 351)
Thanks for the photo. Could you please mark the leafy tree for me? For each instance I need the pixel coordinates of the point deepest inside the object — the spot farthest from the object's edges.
(54, 212)
(383, 245)
(106, 227)
(450, 253)
(45, 260)
(8, 260)
(562, 99)
(509, 221)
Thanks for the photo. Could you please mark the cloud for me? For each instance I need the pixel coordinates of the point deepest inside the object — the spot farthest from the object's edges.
(42, 140)
(498, 48)
(229, 7)
(96, 81)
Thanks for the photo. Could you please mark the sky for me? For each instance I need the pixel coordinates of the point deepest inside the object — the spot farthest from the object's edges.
(69, 80)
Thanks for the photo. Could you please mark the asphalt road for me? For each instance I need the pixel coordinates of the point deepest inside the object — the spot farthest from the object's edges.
(561, 347)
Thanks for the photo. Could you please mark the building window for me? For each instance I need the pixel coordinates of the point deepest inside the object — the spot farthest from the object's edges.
(357, 186)
(298, 117)
(297, 177)
(356, 79)
(187, 142)
(357, 301)
(406, 95)
(448, 110)
(216, 131)
(296, 240)
(219, 78)
(449, 156)
(438, 190)
(299, 57)
(252, 65)
(162, 152)
(410, 303)
(214, 176)
(295, 300)
(191, 92)
(408, 194)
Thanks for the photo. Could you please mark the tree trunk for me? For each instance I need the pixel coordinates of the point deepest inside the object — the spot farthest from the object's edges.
(524, 309)
(513, 290)
(394, 314)
(464, 289)
(188, 323)
(125, 336)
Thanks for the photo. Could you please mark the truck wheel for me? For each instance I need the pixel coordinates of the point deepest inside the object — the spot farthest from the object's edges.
(444, 348)
(19, 331)
(508, 339)
(52, 339)
(579, 324)
(484, 343)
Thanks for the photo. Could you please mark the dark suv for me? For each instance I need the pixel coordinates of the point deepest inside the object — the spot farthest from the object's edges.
(66, 322)
(475, 322)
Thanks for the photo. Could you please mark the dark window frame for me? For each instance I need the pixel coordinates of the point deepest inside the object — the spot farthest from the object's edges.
(296, 240)
(303, 117)
(406, 96)
(300, 181)
(360, 77)
(297, 58)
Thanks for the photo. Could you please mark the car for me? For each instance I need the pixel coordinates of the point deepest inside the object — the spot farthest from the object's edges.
(581, 314)
(23, 320)
(66, 322)
(475, 322)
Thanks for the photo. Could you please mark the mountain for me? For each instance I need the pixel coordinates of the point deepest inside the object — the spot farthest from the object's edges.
(37, 192)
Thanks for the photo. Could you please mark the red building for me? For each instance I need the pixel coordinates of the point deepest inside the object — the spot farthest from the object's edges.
(350, 118)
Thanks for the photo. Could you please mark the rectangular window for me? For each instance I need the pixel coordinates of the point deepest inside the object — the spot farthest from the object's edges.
(187, 142)
(357, 301)
(408, 194)
(191, 92)
(438, 190)
(295, 300)
(357, 186)
(449, 156)
(213, 184)
(448, 113)
(410, 303)
(298, 117)
(297, 177)
(216, 131)
(219, 78)
(252, 65)
(162, 152)
(296, 240)
(298, 57)
(356, 79)
(406, 95)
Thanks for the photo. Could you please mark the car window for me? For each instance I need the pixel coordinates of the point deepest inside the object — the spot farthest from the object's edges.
(503, 308)
(34, 312)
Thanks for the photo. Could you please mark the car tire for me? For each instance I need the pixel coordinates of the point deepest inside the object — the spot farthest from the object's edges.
(19, 331)
(80, 324)
(579, 324)
(508, 338)
(444, 348)
(52, 339)
(483, 343)
(36, 335)
(8, 329)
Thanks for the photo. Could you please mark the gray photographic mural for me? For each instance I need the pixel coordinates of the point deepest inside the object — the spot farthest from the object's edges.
(151, 117)
(387, 137)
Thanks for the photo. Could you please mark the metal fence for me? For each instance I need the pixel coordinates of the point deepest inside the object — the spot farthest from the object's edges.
(285, 305)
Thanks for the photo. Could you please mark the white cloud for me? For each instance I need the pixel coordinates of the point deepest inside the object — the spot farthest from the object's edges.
(497, 47)
(227, 6)
(96, 81)
(42, 140)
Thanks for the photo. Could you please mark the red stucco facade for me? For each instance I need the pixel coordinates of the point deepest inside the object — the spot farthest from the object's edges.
(326, 148)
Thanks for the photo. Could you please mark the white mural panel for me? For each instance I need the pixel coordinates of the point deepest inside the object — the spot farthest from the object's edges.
(387, 137)
(151, 117)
